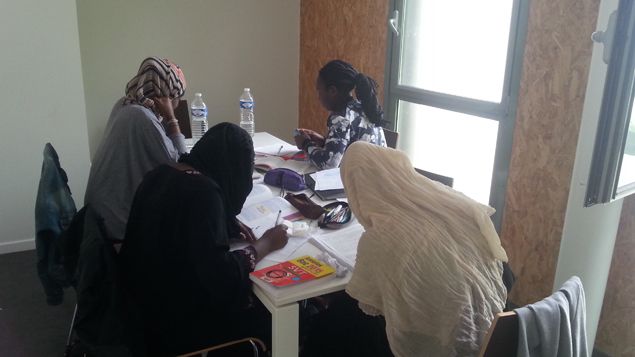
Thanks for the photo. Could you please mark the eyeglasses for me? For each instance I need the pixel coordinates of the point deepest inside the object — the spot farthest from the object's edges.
(336, 215)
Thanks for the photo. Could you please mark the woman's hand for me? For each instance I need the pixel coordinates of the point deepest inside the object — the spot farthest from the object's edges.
(164, 107)
(276, 237)
(300, 140)
(273, 239)
(314, 136)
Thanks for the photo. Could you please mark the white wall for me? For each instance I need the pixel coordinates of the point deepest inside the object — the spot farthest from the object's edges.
(221, 45)
(589, 233)
(42, 100)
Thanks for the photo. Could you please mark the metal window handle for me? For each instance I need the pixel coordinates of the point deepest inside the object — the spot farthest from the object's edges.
(606, 37)
(394, 22)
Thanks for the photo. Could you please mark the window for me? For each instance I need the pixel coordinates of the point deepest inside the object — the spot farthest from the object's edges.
(452, 89)
(612, 173)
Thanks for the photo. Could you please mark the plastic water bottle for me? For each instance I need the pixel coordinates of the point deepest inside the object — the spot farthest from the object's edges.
(198, 111)
(247, 112)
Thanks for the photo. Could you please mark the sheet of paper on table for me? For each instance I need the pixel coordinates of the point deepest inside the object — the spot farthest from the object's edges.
(341, 244)
(327, 180)
(276, 150)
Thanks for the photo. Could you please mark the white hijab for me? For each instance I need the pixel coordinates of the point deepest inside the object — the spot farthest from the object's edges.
(429, 260)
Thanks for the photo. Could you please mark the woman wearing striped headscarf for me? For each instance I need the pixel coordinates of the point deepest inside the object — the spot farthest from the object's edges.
(141, 134)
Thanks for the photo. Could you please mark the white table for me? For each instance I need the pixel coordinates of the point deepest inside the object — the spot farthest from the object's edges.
(283, 303)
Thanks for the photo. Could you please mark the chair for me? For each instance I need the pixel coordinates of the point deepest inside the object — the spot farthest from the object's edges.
(392, 137)
(558, 322)
(251, 344)
(448, 181)
(502, 337)
(98, 323)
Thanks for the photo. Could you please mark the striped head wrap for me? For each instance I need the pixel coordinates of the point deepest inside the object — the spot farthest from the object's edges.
(156, 78)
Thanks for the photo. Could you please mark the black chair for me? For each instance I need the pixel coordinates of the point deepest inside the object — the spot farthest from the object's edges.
(502, 337)
(392, 137)
(446, 180)
(98, 326)
(249, 346)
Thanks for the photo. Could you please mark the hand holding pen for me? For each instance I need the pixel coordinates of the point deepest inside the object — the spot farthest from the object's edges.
(278, 218)
(273, 239)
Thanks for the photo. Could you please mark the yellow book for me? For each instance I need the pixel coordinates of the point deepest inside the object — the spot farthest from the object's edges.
(295, 271)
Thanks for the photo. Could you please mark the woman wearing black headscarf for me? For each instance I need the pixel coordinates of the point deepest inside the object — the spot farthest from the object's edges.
(189, 289)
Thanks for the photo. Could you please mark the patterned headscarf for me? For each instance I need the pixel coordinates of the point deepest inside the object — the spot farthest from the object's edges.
(156, 78)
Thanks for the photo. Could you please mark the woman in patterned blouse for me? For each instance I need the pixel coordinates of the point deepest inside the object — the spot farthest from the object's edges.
(350, 119)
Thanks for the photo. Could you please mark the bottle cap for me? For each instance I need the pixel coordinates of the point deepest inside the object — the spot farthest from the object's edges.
(246, 89)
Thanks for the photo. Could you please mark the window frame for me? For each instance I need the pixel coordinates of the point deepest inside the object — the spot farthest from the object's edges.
(504, 112)
(615, 113)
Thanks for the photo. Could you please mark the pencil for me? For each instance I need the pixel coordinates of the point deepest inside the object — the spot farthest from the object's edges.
(278, 217)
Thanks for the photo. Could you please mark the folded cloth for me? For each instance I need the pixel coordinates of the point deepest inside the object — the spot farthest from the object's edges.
(308, 208)
(556, 325)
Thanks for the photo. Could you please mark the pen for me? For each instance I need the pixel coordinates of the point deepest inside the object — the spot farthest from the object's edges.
(278, 218)
(279, 150)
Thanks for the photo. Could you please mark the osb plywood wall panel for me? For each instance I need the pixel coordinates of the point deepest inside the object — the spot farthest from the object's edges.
(553, 82)
(352, 30)
(616, 331)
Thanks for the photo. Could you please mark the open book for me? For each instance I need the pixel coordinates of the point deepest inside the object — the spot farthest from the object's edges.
(261, 208)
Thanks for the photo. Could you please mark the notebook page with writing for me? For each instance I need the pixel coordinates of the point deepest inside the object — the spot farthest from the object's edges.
(262, 215)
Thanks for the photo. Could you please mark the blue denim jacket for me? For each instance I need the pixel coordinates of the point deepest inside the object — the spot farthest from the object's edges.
(54, 210)
(54, 206)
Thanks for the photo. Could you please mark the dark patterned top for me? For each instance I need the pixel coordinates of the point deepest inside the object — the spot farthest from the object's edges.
(345, 128)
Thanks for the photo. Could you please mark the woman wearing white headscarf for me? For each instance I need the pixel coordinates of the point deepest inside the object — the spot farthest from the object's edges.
(429, 261)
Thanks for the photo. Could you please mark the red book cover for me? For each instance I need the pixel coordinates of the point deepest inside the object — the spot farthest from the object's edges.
(294, 271)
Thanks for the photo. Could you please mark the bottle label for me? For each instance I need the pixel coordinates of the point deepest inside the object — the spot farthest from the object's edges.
(199, 112)
(246, 105)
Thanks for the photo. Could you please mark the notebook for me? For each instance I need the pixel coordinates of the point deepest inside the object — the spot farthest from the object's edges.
(324, 195)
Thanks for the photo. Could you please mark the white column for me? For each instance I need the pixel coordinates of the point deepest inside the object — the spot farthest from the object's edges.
(588, 237)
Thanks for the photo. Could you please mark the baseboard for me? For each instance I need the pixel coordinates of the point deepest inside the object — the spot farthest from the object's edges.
(598, 353)
(17, 246)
